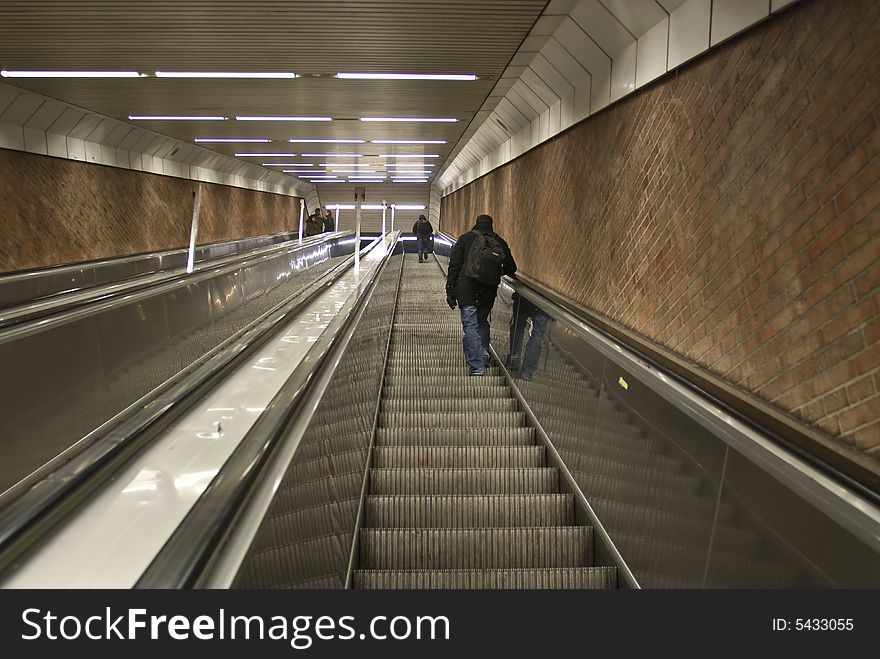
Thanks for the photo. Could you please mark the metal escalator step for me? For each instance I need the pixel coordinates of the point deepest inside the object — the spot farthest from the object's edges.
(443, 372)
(434, 405)
(458, 456)
(455, 510)
(510, 578)
(285, 565)
(288, 526)
(456, 437)
(447, 392)
(531, 480)
(451, 420)
(414, 549)
(407, 378)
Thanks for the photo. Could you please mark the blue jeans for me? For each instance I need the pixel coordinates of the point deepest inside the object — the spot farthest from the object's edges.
(475, 338)
(424, 247)
(533, 347)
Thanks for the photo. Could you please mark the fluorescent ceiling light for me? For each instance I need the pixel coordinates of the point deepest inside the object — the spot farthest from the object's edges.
(70, 74)
(372, 207)
(332, 181)
(287, 164)
(284, 119)
(318, 178)
(406, 76)
(409, 207)
(170, 117)
(410, 180)
(348, 164)
(366, 178)
(342, 207)
(329, 141)
(332, 155)
(425, 119)
(230, 139)
(303, 171)
(408, 141)
(353, 171)
(265, 155)
(409, 167)
(407, 155)
(222, 74)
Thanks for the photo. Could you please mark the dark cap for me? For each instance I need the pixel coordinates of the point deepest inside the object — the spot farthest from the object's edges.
(483, 222)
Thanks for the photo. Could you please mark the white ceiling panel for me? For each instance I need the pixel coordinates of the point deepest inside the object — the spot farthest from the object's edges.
(65, 123)
(21, 109)
(46, 115)
(84, 127)
(602, 26)
(637, 16)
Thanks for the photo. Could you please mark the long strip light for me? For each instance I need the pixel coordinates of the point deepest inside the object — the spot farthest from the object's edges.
(328, 181)
(410, 180)
(231, 139)
(332, 155)
(342, 207)
(303, 171)
(224, 74)
(366, 178)
(265, 155)
(328, 141)
(372, 207)
(407, 141)
(409, 165)
(284, 118)
(406, 76)
(348, 164)
(287, 164)
(407, 155)
(171, 117)
(71, 74)
(353, 171)
(413, 119)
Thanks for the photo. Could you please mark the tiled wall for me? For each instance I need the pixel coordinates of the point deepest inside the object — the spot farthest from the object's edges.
(54, 210)
(728, 212)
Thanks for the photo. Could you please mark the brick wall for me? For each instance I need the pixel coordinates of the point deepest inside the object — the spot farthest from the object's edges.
(55, 211)
(728, 212)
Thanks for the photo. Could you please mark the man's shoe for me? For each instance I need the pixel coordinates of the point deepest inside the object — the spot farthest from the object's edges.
(525, 376)
(477, 374)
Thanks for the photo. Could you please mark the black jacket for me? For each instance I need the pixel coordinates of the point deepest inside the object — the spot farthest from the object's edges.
(466, 290)
(329, 223)
(423, 230)
(314, 225)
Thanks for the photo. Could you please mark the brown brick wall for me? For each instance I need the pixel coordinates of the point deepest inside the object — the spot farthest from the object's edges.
(728, 212)
(55, 211)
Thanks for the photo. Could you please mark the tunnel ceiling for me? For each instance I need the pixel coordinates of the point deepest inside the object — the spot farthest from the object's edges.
(315, 40)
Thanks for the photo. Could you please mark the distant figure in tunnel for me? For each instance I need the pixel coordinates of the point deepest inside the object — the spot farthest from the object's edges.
(478, 260)
(329, 223)
(522, 312)
(315, 223)
(424, 233)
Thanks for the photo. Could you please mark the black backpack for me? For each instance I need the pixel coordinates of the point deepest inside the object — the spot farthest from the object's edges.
(485, 259)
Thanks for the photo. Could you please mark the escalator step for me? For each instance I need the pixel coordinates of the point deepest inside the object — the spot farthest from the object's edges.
(450, 511)
(512, 578)
(458, 437)
(464, 481)
(471, 389)
(458, 456)
(414, 549)
(431, 406)
(407, 378)
(451, 420)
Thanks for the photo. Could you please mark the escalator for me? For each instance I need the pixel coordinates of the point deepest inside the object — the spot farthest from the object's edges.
(459, 492)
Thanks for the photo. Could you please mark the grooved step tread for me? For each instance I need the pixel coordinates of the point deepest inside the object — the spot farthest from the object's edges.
(457, 510)
(513, 578)
(458, 456)
(455, 437)
(544, 480)
(565, 546)
(451, 419)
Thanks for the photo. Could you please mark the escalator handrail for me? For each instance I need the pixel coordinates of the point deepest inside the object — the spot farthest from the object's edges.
(28, 509)
(42, 308)
(187, 557)
(843, 499)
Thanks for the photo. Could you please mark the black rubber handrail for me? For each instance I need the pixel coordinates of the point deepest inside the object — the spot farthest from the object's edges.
(185, 559)
(26, 513)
